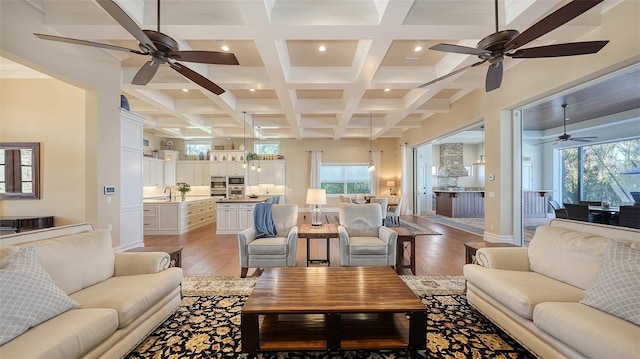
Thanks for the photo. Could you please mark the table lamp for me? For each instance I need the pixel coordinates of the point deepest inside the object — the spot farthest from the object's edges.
(316, 197)
(391, 185)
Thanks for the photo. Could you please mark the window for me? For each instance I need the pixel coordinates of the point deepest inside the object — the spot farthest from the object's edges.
(345, 179)
(19, 170)
(267, 148)
(197, 148)
(597, 172)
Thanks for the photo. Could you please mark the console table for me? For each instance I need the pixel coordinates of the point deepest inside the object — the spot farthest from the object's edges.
(19, 223)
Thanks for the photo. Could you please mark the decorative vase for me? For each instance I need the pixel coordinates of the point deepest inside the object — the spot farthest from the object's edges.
(183, 195)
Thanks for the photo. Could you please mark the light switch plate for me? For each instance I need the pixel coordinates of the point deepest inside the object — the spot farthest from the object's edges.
(109, 189)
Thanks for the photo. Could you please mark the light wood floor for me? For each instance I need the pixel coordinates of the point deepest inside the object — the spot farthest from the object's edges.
(208, 254)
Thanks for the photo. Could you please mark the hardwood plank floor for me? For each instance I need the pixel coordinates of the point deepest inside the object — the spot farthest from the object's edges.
(207, 254)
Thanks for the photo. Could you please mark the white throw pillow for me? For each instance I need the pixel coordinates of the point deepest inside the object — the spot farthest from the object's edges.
(28, 295)
(616, 289)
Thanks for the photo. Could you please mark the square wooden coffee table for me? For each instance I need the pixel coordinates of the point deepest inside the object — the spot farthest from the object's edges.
(332, 309)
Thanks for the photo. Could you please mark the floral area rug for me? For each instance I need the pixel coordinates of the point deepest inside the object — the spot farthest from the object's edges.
(208, 326)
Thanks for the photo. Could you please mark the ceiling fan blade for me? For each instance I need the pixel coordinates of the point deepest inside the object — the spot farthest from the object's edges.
(125, 21)
(459, 49)
(579, 139)
(551, 22)
(452, 73)
(494, 77)
(557, 50)
(87, 43)
(197, 78)
(145, 74)
(205, 57)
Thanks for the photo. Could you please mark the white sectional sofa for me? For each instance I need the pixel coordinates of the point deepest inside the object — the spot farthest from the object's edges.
(535, 293)
(108, 302)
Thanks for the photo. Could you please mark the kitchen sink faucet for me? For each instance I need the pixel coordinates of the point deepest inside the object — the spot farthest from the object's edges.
(170, 193)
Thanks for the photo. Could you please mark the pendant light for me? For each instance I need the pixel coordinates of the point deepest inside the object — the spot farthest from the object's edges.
(253, 148)
(372, 166)
(244, 138)
(259, 148)
(481, 160)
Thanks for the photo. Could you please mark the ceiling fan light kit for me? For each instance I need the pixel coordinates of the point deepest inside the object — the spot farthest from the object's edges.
(162, 48)
(495, 47)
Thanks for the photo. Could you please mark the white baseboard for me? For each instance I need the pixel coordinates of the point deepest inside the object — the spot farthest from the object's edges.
(492, 237)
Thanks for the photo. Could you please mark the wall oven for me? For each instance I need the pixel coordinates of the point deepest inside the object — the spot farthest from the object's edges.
(236, 191)
(218, 186)
(235, 181)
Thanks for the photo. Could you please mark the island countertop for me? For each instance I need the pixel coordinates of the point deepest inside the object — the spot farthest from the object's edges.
(244, 200)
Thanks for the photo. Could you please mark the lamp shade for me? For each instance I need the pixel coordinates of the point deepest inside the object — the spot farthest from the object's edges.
(391, 183)
(316, 196)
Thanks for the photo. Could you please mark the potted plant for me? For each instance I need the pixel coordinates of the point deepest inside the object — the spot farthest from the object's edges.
(183, 187)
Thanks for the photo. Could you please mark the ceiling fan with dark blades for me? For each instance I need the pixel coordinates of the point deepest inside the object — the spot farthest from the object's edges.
(565, 136)
(162, 49)
(496, 46)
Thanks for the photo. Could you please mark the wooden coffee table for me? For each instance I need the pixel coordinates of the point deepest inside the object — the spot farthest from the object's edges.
(332, 309)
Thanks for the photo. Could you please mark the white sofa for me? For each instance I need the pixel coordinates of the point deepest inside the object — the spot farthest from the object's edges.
(534, 293)
(122, 297)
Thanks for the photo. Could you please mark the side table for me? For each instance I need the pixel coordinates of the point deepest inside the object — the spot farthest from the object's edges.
(470, 249)
(175, 253)
(406, 236)
(326, 231)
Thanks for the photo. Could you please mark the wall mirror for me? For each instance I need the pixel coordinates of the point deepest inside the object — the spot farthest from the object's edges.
(19, 170)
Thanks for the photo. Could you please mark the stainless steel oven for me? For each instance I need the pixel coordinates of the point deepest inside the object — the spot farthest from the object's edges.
(218, 186)
(235, 180)
(236, 191)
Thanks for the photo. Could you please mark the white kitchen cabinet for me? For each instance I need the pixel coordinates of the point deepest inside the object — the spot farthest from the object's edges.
(153, 171)
(245, 215)
(170, 158)
(272, 172)
(235, 169)
(178, 217)
(195, 173)
(227, 163)
(227, 221)
(234, 217)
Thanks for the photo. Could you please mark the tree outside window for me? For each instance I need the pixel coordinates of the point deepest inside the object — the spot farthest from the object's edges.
(345, 179)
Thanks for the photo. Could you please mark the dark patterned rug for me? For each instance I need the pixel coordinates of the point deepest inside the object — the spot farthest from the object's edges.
(209, 327)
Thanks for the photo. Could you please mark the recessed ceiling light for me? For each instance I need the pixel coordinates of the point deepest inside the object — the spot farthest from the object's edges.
(417, 48)
(252, 90)
(387, 89)
(322, 48)
(225, 48)
(185, 90)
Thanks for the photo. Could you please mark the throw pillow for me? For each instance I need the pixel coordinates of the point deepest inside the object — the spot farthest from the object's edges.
(617, 286)
(28, 294)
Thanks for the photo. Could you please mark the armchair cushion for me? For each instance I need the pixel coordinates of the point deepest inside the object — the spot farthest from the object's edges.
(270, 245)
(367, 245)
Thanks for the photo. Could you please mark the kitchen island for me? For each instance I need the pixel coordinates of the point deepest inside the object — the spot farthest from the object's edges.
(175, 216)
(236, 214)
(460, 203)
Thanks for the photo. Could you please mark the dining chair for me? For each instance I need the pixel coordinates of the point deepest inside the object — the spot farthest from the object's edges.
(393, 215)
(559, 211)
(383, 202)
(345, 199)
(629, 216)
(580, 212)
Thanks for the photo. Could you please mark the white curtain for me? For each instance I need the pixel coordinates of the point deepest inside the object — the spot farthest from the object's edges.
(403, 179)
(316, 164)
(375, 180)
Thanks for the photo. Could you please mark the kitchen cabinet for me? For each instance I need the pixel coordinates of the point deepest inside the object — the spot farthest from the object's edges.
(177, 217)
(153, 171)
(195, 173)
(170, 158)
(272, 172)
(225, 169)
(234, 217)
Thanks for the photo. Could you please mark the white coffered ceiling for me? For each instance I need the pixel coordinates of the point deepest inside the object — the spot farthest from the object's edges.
(301, 92)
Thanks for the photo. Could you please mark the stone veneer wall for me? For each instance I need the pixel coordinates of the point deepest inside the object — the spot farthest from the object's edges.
(451, 160)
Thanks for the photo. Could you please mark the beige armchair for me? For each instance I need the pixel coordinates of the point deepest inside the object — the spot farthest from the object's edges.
(363, 239)
(277, 251)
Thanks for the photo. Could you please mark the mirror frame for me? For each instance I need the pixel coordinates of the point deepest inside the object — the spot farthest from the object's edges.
(35, 160)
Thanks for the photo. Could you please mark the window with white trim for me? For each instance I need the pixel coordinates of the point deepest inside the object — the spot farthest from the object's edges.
(347, 179)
